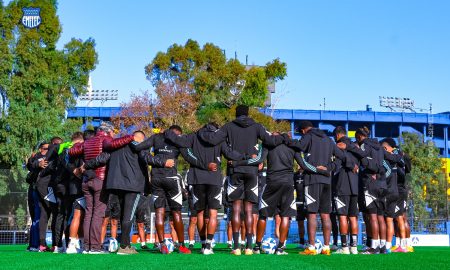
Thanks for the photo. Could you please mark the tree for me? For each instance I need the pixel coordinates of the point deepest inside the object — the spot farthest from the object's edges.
(426, 180)
(216, 80)
(38, 83)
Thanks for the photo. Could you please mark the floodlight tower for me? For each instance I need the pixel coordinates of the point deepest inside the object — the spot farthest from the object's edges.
(394, 103)
(102, 95)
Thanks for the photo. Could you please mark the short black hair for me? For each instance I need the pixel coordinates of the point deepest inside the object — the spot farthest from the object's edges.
(54, 139)
(139, 131)
(241, 110)
(364, 131)
(42, 144)
(77, 135)
(340, 130)
(176, 127)
(305, 124)
(391, 142)
(88, 133)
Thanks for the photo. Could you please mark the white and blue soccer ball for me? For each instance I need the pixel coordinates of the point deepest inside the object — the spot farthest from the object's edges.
(318, 245)
(269, 245)
(111, 245)
(169, 244)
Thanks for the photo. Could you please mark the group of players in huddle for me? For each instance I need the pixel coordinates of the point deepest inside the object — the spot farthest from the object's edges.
(95, 178)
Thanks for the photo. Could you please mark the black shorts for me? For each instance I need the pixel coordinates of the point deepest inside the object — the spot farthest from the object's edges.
(207, 196)
(346, 205)
(391, 205)
(277, 199)
(318, 198)
(401, 203)
(192, 212)
(143, 211)
(243, 186)
(167, 190)
(374, 199)
(113, 207)
(79, 203)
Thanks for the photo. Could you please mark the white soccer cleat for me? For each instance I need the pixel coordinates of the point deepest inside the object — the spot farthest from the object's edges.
(208, 251)
(354, 250)
(72, 248)
(344, 251)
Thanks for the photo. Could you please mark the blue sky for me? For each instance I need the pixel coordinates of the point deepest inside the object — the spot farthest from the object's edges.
(349, 51)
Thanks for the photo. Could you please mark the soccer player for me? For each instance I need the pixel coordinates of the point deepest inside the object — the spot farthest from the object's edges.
(47, 200)
(93, 188)
(373, 183)
(346, 194)
(35, 166)
(318, 151)
(300, 204)
(78, 202)
(165, 186)
(242, 135)
(206, 182)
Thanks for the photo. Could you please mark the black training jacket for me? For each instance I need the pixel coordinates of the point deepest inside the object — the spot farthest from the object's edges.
(163, 149)
(242, 136)
(345, 181)
(203, 153)
(128, 171)
(319, 150)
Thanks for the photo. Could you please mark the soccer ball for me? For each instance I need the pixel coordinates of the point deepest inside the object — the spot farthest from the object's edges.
(111, 245)
(169, 244)
(319, 246)
(269, 245)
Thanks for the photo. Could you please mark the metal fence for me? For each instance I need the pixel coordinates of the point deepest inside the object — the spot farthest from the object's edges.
(11, 232)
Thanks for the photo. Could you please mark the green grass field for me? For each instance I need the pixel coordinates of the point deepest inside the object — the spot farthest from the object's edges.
(424, 258)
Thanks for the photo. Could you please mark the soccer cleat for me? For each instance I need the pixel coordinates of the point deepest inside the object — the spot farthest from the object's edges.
(230, 246)
(208, 251)
(371, 251)
(410, 249)
(184, 250)
(191, 246)
(326, 251)
(257, 250)
(309, 251)
(394, 247)
(383, 250)
(127, 251)
(97, 252)
(44, 249)
(33, 249)
(365, 248)
(144, 247)
(163, 249)
(400, 250)
(72, 248)
(334, 248)
(57, 250)
(156, 245)
(344, 251)
(248, 252)
(301, 246)
(236, 252)
(354, 250)
(280, 252)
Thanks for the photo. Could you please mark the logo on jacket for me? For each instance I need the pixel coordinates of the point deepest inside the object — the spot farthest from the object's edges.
(165, 150)
(31, 17)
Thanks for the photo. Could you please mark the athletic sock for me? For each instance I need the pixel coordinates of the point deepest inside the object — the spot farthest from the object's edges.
(258, 245)
(192, 242)
(235, 240)
(249, 241)
(408, 242)
(403, 243)
(354, 240)
(302, 241)
(375, 243)
(280, 245)
(382, 243)
(209, 239)
(344, 240)
(388, 245)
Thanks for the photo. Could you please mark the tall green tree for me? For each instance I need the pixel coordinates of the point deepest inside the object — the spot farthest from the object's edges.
(38, 82)
(219, 83)
(426, 180)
